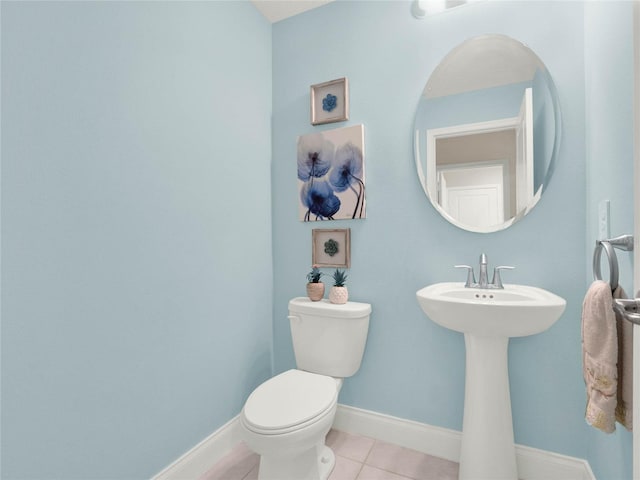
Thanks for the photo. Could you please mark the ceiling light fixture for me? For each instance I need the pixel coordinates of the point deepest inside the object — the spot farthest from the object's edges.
(423, 8)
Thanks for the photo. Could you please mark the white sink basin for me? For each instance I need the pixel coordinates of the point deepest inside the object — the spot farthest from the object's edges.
(516, 311)
(488, 317)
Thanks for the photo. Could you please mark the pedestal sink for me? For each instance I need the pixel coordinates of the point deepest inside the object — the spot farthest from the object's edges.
(488, 317)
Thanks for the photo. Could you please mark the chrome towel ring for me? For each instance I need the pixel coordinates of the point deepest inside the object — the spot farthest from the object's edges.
(623, 242)
(613, 263)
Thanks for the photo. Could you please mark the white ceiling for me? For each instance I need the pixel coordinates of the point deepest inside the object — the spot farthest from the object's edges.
(276, 10)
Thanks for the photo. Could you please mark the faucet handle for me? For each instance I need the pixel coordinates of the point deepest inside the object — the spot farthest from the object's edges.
(497, 281)
(471, 278)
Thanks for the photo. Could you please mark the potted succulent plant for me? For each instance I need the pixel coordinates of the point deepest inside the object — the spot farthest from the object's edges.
(315, 288)
(339, 293)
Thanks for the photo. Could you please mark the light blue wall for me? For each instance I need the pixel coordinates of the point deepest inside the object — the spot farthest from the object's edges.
(609, 140)
(413, 368)
(136, 193)
(136, 230)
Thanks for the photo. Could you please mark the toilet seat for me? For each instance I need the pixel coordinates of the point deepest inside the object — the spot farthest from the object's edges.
(289, 401)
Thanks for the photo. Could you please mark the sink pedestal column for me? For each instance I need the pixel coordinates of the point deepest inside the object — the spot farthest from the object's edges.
(487, 450)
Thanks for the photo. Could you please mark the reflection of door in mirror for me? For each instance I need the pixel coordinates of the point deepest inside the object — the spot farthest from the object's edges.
(507, 142)
(524, 159)
(474, 194)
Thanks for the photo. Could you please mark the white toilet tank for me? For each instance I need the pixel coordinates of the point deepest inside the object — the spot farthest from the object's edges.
(328, 339)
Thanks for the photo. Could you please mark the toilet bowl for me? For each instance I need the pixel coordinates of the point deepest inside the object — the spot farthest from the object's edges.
(286, 419)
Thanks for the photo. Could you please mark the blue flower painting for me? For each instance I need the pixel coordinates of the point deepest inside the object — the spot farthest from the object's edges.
(315, 157)
(331, 175)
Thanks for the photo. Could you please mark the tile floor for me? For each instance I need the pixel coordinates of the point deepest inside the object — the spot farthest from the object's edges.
(357, 458)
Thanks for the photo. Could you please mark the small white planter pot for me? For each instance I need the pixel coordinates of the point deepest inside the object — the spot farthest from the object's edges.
(338, 295)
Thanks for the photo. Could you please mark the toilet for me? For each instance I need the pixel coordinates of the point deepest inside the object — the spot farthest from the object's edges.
(286, 419)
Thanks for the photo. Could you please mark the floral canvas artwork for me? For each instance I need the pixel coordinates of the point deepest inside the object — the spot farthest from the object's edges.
(331, 181)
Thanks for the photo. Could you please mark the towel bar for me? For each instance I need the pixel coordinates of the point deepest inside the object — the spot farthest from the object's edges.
(629, 309)
(623, 242)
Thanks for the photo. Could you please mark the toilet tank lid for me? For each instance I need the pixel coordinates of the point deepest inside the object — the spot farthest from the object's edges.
(328, 309)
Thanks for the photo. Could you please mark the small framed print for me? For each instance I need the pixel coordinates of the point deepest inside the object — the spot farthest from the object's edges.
(330, 101)
(331, 247)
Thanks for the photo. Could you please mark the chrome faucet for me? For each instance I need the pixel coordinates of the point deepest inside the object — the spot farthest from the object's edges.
(483, 280)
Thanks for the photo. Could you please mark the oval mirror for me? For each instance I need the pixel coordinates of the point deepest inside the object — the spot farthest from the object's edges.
(487, 133)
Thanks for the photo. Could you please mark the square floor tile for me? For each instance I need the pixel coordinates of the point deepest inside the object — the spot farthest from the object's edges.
(345, 469)
(372, 473)
(350, 446)
(253, 474)
(410, 463)
(236, 465)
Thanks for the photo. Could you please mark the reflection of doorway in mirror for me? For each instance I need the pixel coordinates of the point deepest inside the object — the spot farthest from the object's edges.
(473, 195)
(508, 141)
(524, 152)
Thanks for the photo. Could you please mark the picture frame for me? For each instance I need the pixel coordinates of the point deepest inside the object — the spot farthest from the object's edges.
(330, 101)
(331, 247)
(331, 175)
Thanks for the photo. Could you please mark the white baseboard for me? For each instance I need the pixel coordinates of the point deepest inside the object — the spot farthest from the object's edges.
(436, 441)
(204, 455)
(533, 464)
